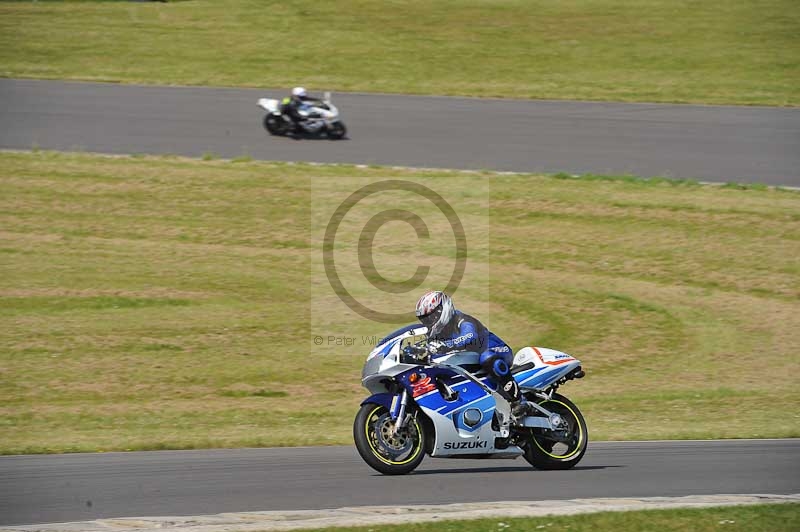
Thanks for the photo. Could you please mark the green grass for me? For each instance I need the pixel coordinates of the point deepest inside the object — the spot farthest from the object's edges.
(766, 518)
(163, 302)
(716, 51)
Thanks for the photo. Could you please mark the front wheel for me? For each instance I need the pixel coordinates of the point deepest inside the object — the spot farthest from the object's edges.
(336, 131)
(562, 448)
(382, 449)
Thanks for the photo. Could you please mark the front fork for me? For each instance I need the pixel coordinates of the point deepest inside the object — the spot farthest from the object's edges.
(398, 410)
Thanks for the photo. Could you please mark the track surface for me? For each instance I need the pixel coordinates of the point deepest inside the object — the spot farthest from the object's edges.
(79, 487)
(745, 144)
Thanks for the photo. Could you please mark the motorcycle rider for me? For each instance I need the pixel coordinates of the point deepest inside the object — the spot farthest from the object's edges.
(290, 105)
(452, 330)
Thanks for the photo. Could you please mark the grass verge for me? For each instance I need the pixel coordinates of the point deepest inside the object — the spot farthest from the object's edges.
(766, 518)
(163, 302)
(744, 52)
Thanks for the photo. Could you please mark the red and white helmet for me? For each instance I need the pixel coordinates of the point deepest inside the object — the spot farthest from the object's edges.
(435, 310)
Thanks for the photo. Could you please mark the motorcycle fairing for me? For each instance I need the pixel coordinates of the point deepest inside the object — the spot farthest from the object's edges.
(384, 361)
(454, 435)
(548, 366)
(269, 104)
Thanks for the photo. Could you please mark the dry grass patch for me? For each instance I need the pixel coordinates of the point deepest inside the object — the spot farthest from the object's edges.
(743, 52)
(171, 303)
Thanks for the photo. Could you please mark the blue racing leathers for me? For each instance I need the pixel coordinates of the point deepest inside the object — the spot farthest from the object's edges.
(465, 333)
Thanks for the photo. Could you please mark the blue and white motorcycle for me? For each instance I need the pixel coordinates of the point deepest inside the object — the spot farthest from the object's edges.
(448, 408)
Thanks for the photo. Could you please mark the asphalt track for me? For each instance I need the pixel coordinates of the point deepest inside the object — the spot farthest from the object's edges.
(710, 143)
(82, 487)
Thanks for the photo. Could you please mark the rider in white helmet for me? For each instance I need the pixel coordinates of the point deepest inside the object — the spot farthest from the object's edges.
(290, 105)
(452, 330)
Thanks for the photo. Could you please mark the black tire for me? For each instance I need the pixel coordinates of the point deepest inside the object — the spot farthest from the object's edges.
(381, 450)
(275, 124)
(337, 130)
(563, 449)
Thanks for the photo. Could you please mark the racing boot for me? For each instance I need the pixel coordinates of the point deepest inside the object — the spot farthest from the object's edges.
(520, 407)
(296, 128)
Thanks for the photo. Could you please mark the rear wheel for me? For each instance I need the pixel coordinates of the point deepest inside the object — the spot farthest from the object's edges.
(337, 131)
(275, 124)
(382, 449)
(562, 448)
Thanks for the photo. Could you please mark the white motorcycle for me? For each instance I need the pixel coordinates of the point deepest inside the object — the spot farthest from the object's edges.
(448, 408)
(318, 117)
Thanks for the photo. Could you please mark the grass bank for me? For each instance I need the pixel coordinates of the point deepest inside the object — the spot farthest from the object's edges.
(744, 52)
(152, 303)
(766, 518)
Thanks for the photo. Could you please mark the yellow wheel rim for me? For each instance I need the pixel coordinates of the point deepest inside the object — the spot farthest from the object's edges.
(375, 451)
(579, 429)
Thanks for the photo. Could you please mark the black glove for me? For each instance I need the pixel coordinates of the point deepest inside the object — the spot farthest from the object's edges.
(416, 352)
